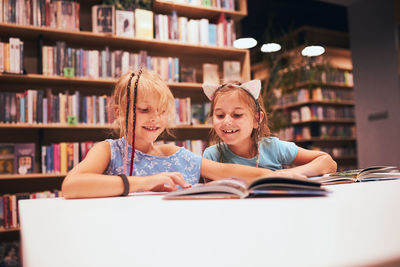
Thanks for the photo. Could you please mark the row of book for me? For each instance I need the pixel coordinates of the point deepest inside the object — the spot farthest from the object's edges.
(17, 158)
(39, 106)
(224, 4)
(60, 14)
(231, 71)
(316, 94)
(337, 152)
(62, 157)
(301, 133)
(12, 56)
(195, 31)
(144, 24)
(60, 60)
(338, 76)
(317, 112)
(196, 146)
(9, 216)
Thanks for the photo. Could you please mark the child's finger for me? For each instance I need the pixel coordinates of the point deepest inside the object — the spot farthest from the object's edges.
(179, 180)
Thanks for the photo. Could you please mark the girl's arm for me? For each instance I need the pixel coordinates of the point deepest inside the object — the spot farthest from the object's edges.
(87, 180)
(216, 170)
(313, 163)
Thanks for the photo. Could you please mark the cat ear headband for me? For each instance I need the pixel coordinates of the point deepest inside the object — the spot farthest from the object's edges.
(252, 87)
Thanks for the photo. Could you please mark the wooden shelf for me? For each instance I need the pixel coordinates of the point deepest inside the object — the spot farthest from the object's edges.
(90, 39)
(31, 176)
(76, 81)
(327, 139)
(54, 80)
(345, 158)
(319, 102)
(9, 230)
(85, 126)
(197, 11)
(325, 121)
(61, 126)
(336, 85)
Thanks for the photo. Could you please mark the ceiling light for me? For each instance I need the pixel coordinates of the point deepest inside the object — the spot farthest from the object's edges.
(270, 47)
(313, 51)
(243, 43)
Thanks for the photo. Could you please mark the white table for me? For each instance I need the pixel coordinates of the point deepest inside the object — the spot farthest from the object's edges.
(357, 224)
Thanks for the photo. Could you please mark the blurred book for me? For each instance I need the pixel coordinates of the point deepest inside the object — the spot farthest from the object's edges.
(374, 173)
(103, 19)
(210, 73)
(24, 158)
(124, 23)
(144, 23)
(188, 74)
(232, 71)
(6, 158)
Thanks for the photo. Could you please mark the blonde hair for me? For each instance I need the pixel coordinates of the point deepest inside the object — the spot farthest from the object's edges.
(150, 85)
(258, 133)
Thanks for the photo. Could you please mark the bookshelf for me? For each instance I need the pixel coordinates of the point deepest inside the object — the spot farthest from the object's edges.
(318, 112)
(48, 133)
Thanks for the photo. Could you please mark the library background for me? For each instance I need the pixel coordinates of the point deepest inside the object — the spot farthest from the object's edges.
(59, 61)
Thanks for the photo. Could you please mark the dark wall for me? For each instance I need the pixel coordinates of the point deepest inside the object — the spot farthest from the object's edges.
(377, 91)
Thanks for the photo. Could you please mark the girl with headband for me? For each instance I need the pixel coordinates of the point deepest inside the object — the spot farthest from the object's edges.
(144, 107)
(242, 136)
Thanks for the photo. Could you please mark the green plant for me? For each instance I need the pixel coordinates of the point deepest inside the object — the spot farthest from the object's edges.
(130, 4)
(286, 69)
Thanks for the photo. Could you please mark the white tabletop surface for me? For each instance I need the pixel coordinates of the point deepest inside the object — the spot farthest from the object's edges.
(357, 224)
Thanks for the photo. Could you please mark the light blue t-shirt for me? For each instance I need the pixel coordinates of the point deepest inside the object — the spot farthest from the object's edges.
(183, 161)
(273, 154)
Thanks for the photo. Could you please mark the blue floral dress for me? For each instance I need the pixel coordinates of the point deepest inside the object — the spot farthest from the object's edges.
(183, 161)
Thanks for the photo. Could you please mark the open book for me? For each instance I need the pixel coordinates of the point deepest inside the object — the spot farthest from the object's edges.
(374, 173)
(238, 188)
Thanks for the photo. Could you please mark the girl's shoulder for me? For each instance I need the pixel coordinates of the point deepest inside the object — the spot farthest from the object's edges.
(270, 140)
(102, 145)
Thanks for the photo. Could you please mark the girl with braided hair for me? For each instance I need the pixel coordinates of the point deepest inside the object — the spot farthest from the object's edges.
(144, 107)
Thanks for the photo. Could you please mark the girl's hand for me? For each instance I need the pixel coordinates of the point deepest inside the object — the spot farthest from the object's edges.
(165, 182)
(290, 174)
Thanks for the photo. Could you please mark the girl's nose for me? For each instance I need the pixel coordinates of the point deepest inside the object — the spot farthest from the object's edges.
(154, 116)
(227, 120)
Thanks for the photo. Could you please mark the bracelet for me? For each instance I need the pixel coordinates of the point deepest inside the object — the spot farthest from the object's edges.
(126, 184)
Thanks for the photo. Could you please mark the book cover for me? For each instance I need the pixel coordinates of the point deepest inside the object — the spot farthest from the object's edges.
(212, 34)
(210, 73)
(63, 158)
(10, 253)
(232, 71)
(200, 113)
(1, 213)
(6, 158)
(103, 17)
(124, 23)
(144, 23)
(374, 173)
(262, 187)
(188, 74)
(24, 158)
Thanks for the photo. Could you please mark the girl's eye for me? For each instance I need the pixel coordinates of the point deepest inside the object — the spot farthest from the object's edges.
(143, 109)
(237, 115)
(220, 116)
